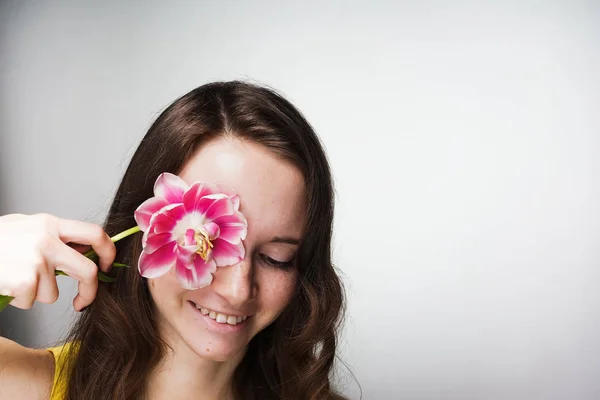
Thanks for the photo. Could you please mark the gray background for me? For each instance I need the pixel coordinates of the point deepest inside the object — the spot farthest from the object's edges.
(463, 137)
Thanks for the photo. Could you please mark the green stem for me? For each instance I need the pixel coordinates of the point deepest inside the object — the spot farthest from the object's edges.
(91, 254)
(115, 239)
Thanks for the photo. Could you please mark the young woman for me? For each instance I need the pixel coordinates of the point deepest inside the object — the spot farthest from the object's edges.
(264, 328)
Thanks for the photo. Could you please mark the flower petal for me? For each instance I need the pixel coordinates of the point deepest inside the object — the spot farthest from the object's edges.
(158, 263)
(233, 228)
(186, 254)
(144, 212)
(198, 276)
(216, 205)
(204, 271)
(154, 241)
(186, 276)
(166, 219)
(170, 187)
(225, 253)
(144, 239)
(195, 193)
(190, 237)
(203, 204)
(212, 230)
(235, 199)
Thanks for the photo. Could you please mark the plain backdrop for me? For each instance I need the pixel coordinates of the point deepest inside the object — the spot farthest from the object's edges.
(463, 138)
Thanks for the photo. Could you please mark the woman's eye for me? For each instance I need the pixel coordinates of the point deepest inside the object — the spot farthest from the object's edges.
(276, 263)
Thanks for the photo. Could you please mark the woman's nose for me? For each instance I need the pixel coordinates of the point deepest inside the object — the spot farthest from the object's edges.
(235, 283)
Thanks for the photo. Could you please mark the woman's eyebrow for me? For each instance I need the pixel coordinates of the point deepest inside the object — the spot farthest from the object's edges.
(285, 239)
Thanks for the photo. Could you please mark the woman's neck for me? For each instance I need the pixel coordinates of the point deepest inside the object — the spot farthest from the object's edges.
(184, 375)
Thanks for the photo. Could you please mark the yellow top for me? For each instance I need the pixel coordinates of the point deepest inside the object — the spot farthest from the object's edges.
(59, 383)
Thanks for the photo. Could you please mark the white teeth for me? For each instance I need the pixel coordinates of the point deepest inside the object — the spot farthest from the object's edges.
(221, 318)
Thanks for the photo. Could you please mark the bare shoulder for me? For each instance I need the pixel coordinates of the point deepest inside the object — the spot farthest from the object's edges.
(25, 373)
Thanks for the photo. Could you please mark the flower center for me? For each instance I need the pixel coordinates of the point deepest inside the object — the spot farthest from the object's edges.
(204, 242)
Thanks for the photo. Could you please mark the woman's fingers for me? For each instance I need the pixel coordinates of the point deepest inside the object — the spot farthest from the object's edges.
(80, 248)
(47, 291)
(25, 293)
(86, 233)
(76, 265)
(32, 248)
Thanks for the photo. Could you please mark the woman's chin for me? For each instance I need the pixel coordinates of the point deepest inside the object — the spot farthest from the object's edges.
(216, 349)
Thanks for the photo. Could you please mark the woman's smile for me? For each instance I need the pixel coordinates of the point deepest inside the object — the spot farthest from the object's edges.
(221, 321)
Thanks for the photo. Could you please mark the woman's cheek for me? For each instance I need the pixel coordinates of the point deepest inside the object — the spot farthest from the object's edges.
(165, 288)
(280, 287)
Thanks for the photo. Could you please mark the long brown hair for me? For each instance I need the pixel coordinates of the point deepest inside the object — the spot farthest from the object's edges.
(118, 343)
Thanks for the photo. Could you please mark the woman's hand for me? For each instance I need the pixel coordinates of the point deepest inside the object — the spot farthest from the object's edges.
(33, 247)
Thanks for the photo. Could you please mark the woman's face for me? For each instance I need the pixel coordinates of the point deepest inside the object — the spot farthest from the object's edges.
(259, 287)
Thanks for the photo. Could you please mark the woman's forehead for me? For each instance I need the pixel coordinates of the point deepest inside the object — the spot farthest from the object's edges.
(271, 190)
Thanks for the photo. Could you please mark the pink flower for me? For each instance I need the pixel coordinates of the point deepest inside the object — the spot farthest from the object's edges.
(195, 228)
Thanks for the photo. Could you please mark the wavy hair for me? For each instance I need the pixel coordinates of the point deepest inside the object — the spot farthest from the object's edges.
(118, 341)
